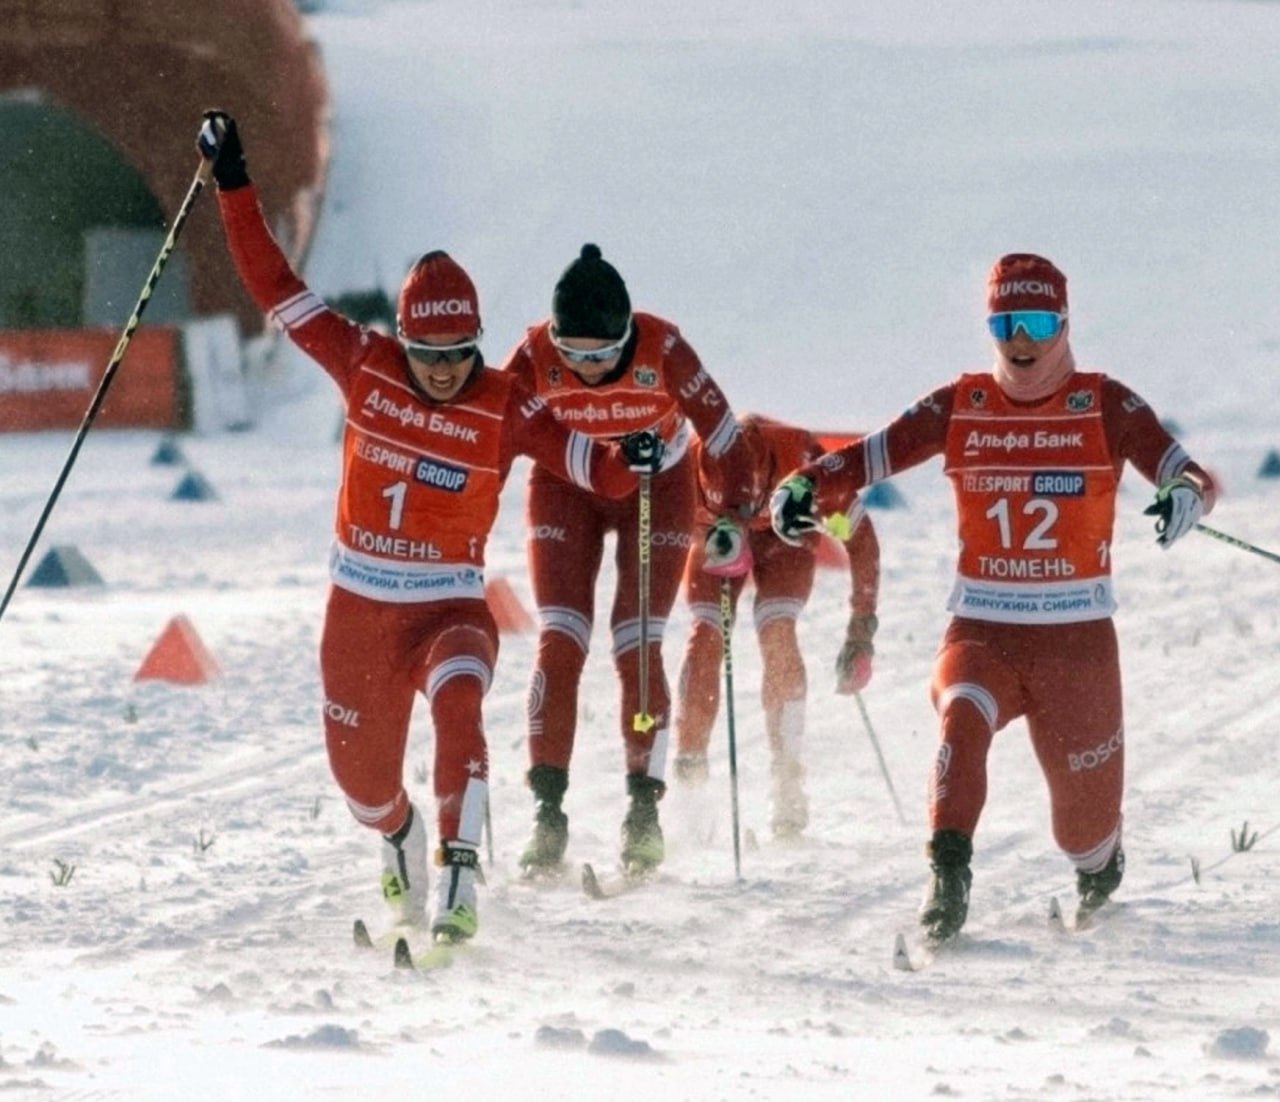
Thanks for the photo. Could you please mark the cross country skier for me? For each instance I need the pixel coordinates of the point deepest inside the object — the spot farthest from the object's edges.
(429, 440)
(1034, 451)
(783, 576)
(609, 372)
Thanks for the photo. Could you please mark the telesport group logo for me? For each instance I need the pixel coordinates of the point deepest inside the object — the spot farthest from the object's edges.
(441, 475)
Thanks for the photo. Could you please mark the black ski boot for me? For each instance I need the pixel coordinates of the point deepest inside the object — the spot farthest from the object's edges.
(1095, 888)
(947, 904)
(642, 844)
(544, 853)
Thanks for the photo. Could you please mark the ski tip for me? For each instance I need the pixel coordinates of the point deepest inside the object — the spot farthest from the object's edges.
(591, 882)
(403, 955)
(618, 884)
(901, 958)
(541, 876)
(361, 936)
(917, 955)
(1085, 915)
(1056, 921)
(440, 955)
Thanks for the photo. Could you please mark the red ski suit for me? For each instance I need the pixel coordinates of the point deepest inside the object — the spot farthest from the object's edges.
(1035, 487)
(783, 577)
(419, 495)
(659, 384)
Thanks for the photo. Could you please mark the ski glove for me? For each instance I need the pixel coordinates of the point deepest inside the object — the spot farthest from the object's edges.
(728, 551)
(219, 142)
(643, 451)
(1178, 507)
(853, 663)
(792, 510)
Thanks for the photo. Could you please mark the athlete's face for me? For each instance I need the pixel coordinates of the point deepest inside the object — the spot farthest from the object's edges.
(429, 363)
(1022, 351)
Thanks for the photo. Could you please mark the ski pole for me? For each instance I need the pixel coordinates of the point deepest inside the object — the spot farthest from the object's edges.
(726, 637)
(884, 770)
(643, 721)
(122, 345)
(1234, 542)
(488, 829)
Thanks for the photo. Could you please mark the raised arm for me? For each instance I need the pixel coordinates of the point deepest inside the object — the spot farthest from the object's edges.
(330, 339)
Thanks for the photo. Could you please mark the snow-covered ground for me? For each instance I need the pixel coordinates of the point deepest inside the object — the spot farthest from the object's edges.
(814, 193)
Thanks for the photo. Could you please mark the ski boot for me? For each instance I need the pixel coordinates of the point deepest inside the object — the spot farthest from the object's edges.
(946, 903)
(456, 917)
(691, 769)
(404, 870)
(642, 844)
(1095, 888)
(544, 854)
(788, 802)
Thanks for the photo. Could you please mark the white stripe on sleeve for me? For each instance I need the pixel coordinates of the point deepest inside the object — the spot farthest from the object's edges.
(722, 439)
(1172, 463)
(298, 310)
(876, 453)
(577, 459)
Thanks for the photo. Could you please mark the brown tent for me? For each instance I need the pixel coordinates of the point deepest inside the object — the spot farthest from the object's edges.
(139, 75)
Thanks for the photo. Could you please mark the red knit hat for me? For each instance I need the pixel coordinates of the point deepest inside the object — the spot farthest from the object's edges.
(1024, 281)
(437, 298)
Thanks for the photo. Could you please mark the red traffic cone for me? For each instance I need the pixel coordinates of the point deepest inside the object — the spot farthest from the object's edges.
(507, 610)
(178, 656)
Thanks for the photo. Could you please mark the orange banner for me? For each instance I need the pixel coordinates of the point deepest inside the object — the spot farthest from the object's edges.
(834, 441)
(48, 377)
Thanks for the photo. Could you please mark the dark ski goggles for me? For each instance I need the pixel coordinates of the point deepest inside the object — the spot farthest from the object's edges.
(432, 354)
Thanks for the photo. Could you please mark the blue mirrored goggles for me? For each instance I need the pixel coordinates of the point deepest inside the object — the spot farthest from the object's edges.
(1039, 325)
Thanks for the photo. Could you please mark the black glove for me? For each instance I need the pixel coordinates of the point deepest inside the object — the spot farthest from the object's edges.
(219, 142)
(793, 511)
(727, 552)
(643, 451)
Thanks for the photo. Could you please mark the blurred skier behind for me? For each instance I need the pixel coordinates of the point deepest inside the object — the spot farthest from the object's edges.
(783, 575)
